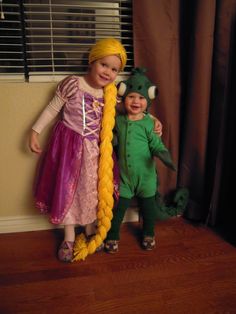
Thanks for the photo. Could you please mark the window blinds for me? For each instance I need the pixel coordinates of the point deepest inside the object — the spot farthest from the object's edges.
(55, 36)
(11, 41)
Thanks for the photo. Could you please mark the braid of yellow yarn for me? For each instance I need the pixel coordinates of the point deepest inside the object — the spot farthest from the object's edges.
(105, 180)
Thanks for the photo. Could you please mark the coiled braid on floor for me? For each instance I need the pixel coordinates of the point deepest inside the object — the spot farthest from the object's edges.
(105, 180)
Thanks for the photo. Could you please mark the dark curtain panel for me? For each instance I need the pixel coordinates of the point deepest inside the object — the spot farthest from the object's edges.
(188, 48)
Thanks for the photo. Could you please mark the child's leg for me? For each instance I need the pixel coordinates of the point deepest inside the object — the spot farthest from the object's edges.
(148, 211)
(118, 215)
(69, 233)
(91, 229)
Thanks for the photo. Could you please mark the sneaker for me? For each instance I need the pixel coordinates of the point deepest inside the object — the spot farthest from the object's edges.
(65, 252)
(148, 243)
(111, 246)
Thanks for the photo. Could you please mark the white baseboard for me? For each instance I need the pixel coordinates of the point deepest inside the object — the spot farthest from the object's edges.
(24, 223)
(40, 222)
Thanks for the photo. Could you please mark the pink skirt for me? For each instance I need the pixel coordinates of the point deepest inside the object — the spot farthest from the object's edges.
(67, 178)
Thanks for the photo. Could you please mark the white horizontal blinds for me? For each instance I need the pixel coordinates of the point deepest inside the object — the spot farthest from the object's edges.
(59, 34)
(11, 41)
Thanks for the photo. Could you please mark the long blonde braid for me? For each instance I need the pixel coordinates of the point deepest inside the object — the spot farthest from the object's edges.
(82, 248)
(105, 180)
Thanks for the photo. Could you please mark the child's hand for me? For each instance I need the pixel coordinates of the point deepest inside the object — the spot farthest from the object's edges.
(34, 143)
(157, 126)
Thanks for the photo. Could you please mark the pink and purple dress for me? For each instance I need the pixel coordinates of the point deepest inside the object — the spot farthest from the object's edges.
(66, 184)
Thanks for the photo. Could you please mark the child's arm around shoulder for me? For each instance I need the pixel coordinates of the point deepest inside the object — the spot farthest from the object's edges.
(157, 125)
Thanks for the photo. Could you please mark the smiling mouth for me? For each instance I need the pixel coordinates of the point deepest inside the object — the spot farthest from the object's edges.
(104, 78)
(135, 107)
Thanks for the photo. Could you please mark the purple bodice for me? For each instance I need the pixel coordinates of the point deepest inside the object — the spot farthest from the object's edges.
(82, 111)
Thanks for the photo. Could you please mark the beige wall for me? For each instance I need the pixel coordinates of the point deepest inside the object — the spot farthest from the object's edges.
(20, 104)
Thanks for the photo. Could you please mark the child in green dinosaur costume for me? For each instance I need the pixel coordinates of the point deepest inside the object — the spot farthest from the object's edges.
(136, 145)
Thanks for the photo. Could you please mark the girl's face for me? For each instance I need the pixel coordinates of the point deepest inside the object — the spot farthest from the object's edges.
(135, 105)
(103, 71)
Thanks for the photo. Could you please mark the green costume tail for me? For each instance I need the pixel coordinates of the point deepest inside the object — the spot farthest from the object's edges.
(177, 208)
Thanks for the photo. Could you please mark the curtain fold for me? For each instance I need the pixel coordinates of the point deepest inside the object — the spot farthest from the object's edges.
(197, 71)
(188, 48)
(222, 128)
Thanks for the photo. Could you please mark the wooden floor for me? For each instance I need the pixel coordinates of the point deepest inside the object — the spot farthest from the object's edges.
(192, 271)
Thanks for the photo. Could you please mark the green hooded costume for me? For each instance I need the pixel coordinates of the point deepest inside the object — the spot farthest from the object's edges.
(136, 146)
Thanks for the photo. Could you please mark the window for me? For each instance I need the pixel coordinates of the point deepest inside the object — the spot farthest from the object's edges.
(11, 41)
(48, 39)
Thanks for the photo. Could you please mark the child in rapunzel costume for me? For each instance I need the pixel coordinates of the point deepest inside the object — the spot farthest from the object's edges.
(75, 183)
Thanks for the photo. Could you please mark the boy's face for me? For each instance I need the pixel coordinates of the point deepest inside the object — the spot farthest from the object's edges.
(104, 71)
(135, 104)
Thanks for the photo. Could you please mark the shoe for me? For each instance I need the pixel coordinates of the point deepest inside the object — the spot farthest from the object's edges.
(111, 246)
(65, 252)
(148, 243)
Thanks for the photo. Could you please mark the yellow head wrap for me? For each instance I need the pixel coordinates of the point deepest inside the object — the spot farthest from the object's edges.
(106, 47)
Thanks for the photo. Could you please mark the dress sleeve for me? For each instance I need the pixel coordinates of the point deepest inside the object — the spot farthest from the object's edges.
(67, 87)
(48, 114)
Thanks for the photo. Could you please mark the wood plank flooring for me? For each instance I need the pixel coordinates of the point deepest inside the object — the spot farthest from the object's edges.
(192, 270)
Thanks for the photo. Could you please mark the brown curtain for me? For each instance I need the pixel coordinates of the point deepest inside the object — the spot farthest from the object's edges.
(156, 47)
(187, 48)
